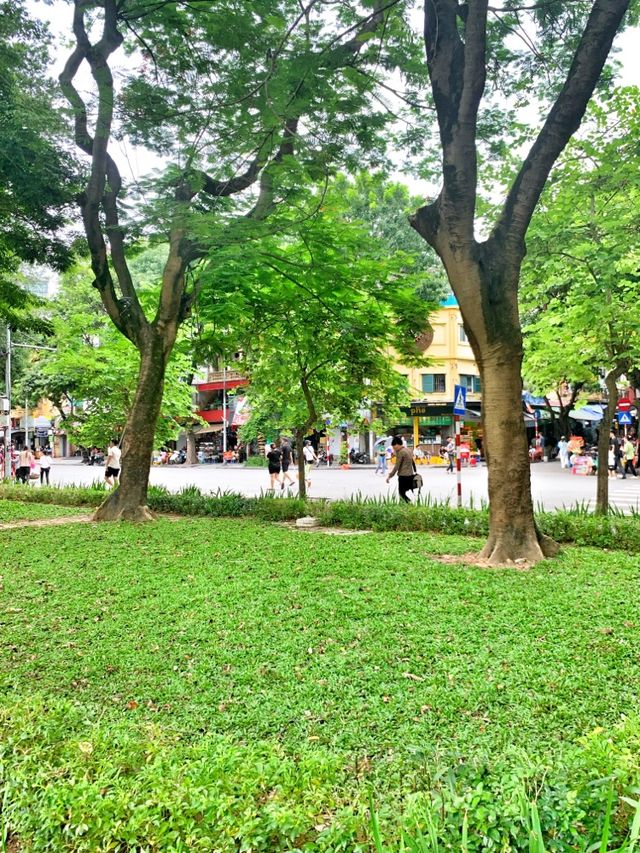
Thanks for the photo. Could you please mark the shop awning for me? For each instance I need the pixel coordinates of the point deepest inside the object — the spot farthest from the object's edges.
(588, 413)
(209, 428)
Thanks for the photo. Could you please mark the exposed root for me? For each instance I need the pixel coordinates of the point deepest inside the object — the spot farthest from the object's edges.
(111, 510)
(474, 558)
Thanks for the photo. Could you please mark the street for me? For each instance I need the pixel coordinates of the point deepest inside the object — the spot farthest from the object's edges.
(551, 487)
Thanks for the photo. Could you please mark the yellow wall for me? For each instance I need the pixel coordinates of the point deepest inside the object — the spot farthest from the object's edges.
(448, 355)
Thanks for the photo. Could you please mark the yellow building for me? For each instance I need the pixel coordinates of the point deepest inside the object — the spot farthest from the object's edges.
(432, 387)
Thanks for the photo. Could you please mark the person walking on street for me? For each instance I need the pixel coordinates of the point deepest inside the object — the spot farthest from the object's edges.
(285, 448)
(563, 452)
(274, 457)
(450, 450)
(382, 460)
(628, 452)
(112, 464)
(23, 469)
(45, 466)
(309, 458)
(403, 468)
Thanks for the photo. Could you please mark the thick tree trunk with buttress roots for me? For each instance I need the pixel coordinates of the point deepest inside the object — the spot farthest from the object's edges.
(129, 501)
(512, 531)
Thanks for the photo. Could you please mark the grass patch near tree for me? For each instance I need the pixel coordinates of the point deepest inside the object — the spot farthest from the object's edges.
(208, 684)
(13, 511)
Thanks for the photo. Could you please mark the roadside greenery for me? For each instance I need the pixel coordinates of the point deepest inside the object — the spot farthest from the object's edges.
(214, 684)
(572, 525)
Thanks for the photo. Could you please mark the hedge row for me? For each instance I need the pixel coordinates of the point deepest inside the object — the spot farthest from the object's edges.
(619, 532)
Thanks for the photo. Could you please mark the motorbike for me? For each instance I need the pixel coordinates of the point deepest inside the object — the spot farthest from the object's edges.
(178, 457)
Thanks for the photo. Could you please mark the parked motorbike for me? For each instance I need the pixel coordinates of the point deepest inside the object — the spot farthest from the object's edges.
(178, 457)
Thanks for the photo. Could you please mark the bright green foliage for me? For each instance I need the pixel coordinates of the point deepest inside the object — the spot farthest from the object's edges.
(35, 173)
(91, 377)
(13, 511)
(581, 279)
(162, 687)
(315, 310)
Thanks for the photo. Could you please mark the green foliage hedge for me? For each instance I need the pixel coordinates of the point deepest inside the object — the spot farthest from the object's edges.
(615, 531)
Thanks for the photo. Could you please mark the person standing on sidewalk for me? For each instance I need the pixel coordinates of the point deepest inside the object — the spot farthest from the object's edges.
(382, 460)
(403, 468)
(45, 466)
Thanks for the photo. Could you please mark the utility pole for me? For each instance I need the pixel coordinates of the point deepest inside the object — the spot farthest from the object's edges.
(7, 385)
(224, 411)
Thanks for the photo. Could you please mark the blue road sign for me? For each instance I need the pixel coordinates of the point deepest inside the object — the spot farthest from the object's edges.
(459, 399)
(624, 418)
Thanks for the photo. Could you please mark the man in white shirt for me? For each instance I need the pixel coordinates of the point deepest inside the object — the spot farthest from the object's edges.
(112, 471)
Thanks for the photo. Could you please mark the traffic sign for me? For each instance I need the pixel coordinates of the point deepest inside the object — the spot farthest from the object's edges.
(624, 419)
(459, 400)
(624, 404)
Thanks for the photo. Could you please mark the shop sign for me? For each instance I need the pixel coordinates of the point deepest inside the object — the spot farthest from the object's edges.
(433, 420)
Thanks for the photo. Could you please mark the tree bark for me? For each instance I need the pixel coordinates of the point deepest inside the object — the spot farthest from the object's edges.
(191, 458)
(302, 482)
(513, 534)
(602, 491)
(128, 501)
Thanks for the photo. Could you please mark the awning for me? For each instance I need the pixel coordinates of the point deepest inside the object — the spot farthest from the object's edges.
(588, 413)
(203, 430)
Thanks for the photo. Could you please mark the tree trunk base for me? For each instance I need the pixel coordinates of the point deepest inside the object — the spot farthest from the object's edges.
(502, 550)
(114, 508)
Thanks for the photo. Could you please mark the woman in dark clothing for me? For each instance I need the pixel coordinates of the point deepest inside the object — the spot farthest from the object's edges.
(403, 468)
(274, 457)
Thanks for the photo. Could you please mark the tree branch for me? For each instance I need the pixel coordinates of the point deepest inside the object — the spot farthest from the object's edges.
(563, 119)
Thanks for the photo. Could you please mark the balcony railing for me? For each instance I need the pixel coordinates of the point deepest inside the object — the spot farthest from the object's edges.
(220, 376)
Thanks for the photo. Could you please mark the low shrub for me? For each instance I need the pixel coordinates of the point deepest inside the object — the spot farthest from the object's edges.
(73, 780)
(575, 526)
(256, 462)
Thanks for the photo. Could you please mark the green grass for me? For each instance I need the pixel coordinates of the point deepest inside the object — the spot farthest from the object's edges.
(12, 511)
(268, 678)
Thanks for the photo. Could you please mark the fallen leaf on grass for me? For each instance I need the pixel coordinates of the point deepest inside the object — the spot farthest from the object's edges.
(132, 705)
(412, 676)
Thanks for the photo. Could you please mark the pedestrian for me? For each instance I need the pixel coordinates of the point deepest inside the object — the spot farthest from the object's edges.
(628, 452)
(309, 457)
(274, 458)
(45, 466)
(617, 451)
(285, 448)
(611, 461)
(450, 451)
(404, 468)
(563, 452)
(23, 469)
(112, 465)
(381, 464)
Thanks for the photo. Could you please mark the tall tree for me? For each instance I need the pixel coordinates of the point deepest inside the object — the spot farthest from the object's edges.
(316, 317)
(36, 175)
(236, 97)
(465, 49)
(581, 280)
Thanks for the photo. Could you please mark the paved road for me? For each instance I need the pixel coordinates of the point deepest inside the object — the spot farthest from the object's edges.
(551, 487)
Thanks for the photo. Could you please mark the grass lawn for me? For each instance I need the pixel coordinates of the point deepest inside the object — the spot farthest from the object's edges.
(12, 511)
(209, 684)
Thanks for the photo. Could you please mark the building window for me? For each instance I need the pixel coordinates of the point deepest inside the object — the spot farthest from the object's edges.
(434, 383)
(470, 382)
(462, 335)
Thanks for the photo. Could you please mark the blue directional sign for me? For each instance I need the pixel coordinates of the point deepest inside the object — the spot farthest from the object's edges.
(624, 418)
(459, 399)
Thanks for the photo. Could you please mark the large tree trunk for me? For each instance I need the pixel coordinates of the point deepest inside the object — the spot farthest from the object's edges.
(128, 501)
(512, 532)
